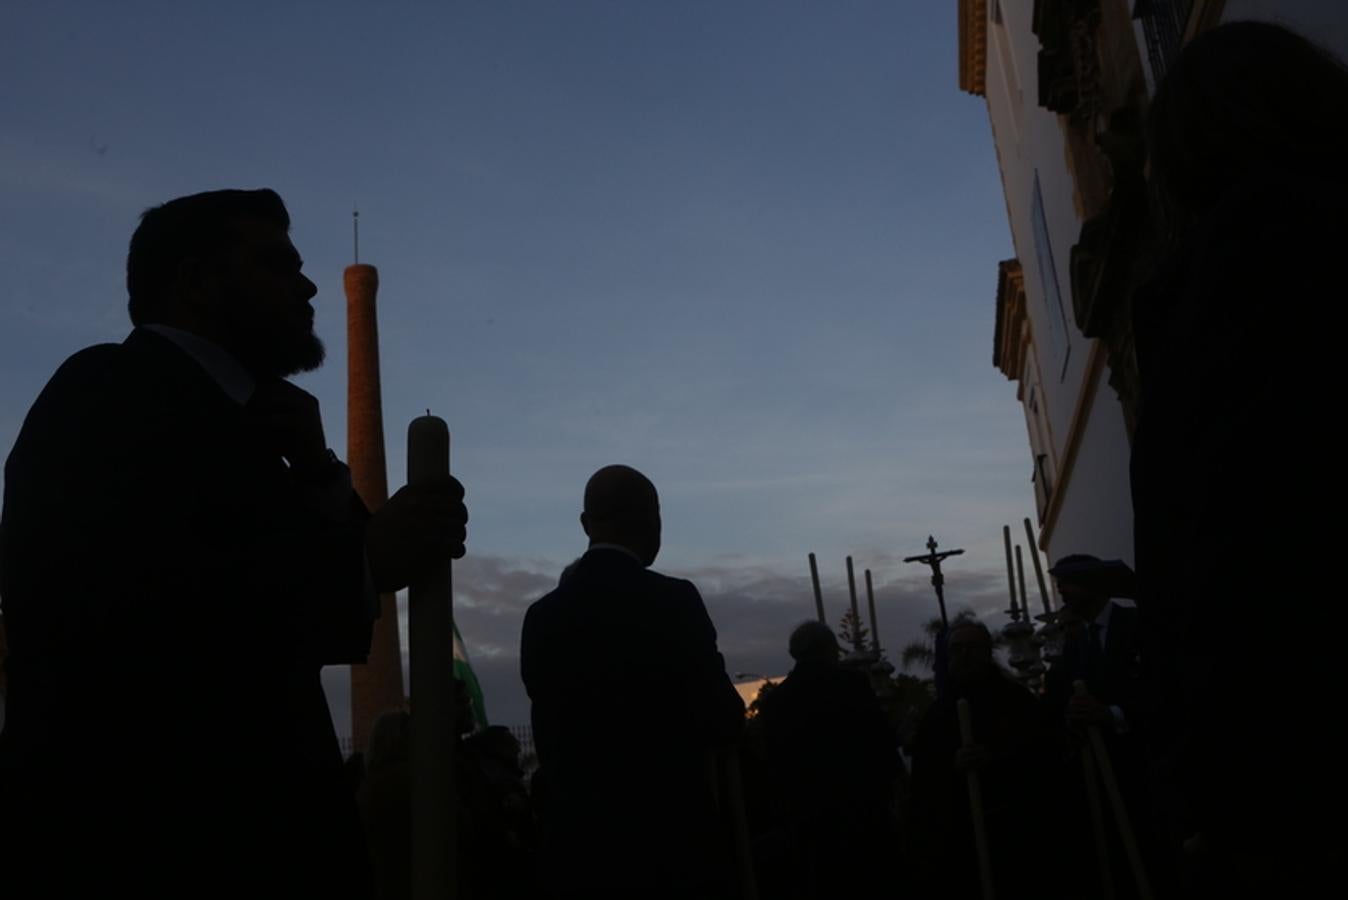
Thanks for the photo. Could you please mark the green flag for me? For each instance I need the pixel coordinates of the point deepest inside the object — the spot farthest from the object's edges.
(463, 670)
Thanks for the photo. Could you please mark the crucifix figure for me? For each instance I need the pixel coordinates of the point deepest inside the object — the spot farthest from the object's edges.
(933, 559)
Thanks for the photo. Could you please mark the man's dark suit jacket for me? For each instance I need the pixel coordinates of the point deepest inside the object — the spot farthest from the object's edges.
(1016, 801)
(170, 598)
(629, 696)
(1113, 677)
(828, 743)
(831, 758)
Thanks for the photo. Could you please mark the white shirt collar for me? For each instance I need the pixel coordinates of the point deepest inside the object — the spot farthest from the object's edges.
(224, 369)
(1102, 617)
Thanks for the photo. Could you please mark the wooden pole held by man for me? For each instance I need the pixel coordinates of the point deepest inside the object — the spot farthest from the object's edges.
(739, 822)
(976, 804)
(1121, 820)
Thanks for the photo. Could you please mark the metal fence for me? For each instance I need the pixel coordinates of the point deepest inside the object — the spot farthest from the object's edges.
(523, 733)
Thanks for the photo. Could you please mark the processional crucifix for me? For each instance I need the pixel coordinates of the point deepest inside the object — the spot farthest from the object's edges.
(933, 559)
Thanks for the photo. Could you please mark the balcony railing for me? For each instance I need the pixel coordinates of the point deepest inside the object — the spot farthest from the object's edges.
(1163, 25)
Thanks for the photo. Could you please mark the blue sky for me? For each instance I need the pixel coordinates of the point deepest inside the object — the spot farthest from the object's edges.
(748, 248)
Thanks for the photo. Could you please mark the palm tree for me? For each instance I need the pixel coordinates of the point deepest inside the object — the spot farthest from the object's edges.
(908, 703)
(923, 651)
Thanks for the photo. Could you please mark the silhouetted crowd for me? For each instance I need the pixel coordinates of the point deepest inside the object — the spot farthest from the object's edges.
(173, 523)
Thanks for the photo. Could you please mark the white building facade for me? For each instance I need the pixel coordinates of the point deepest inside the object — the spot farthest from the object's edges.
(1067, 84)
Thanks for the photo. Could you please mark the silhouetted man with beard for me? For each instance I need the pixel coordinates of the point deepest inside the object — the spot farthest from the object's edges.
(629, 697)
(180, 554)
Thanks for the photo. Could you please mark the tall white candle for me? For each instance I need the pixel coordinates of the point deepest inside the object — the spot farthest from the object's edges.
(856, 614)
(818, 595)
(430, 625)
(1038, 569)
(870, 602)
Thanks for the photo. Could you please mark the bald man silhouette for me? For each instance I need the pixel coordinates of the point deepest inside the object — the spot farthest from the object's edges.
(629, 694)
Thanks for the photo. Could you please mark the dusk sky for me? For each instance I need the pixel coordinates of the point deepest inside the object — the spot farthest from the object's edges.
(747, 248)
